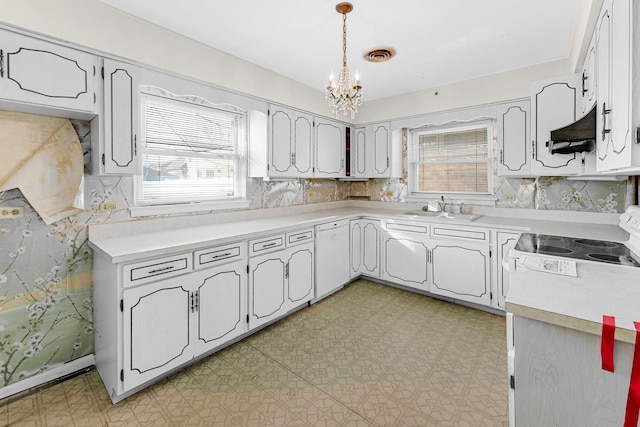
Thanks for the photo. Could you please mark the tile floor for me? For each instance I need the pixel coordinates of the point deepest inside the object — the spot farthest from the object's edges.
(369, 355)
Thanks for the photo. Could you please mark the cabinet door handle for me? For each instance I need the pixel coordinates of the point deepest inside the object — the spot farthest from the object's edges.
(584, 78)
(501, 156)
(533, 150)
(197, 300)
(604, 120)
(286, 271)
(193, 303)
(1, 63)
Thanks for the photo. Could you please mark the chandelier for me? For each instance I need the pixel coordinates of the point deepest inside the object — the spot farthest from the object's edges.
(344, 97)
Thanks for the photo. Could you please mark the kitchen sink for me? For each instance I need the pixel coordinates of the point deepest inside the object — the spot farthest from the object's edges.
(443, 215)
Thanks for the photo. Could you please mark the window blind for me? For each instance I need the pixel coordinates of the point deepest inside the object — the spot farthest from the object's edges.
(452, 160)
(191, 153)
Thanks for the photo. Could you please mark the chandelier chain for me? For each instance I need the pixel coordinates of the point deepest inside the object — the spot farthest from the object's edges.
(344, 39)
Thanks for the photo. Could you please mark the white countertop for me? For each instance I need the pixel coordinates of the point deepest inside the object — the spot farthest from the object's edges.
(564, 301)
(579, 304)
(134, 240)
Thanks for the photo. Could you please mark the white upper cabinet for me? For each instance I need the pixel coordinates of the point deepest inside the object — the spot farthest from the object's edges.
(373, 151)
(358, 152)
(36, 72)
(618, 103)
(330, 146)
(514, 134)
(297, 145)
(589, 78)
(121, 118)
(554, 104)
(290, 138)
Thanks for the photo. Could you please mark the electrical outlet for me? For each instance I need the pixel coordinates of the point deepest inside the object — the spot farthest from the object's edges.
(578, 199)
(11, 212)
(509, 198)
(108, 206)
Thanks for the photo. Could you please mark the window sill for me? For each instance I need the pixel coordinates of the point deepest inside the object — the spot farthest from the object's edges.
(138, 211)
(474, 199)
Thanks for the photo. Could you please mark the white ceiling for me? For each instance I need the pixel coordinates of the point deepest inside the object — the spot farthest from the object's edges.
(437, 41)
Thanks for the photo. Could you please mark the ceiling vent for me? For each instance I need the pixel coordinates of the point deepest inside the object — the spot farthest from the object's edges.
(380, 54)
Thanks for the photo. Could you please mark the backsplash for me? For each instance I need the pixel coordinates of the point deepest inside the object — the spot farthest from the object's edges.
(46, 307)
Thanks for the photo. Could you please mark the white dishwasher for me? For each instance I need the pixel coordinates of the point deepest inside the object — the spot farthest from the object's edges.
(332, 257)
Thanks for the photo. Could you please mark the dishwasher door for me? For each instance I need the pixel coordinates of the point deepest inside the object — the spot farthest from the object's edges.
(332, 257)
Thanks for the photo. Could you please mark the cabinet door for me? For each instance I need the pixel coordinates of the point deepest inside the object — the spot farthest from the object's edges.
(370, 248)
(365, 248)
(461, 270)
(589, 77)
(330, 149)
(554, 104)
(513, 139)
(121, 117)
(281, 142)
(379, 161)
(156, 329)
(299, 274)
(614, 135)
(266, 288)
(222, 304)
(359, 153)
(303, 143)
(290, 140)
(405, 256)
(505, 241)
(39, 72)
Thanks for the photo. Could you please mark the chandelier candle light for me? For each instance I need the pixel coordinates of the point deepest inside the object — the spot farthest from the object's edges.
(344, 97)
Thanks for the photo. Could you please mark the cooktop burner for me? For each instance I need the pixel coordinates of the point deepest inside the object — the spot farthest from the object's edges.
(583, 249)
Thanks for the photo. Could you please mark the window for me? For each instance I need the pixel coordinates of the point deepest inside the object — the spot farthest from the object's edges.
(452, 160)
(192, 153)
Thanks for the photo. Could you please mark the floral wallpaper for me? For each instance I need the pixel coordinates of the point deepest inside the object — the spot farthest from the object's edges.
(46, 307)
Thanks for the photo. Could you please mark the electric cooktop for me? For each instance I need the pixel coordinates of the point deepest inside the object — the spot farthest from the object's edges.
(582, 249)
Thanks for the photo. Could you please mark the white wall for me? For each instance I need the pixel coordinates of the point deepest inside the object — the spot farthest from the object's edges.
(483, 90)
(92, 24)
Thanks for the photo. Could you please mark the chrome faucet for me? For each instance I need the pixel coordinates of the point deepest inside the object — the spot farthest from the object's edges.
(441, 204)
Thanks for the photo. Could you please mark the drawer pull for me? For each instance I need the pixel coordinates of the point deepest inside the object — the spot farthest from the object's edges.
(159, 270)
(221, 255)
(301, 237)
(268, 245)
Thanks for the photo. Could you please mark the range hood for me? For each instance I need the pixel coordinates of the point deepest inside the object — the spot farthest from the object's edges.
(579, 136)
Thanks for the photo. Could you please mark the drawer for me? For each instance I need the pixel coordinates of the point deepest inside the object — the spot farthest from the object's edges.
(460, 232)
(219, 255)
(267, 244)
(156, 269)
(297, 237)
(407, 227)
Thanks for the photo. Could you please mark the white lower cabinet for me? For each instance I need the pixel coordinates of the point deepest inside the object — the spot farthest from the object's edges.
(365, 247)
(281, 279)
(169, 322)
(461, 270)
(405, 248)
(505, 241)
(153, 316)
